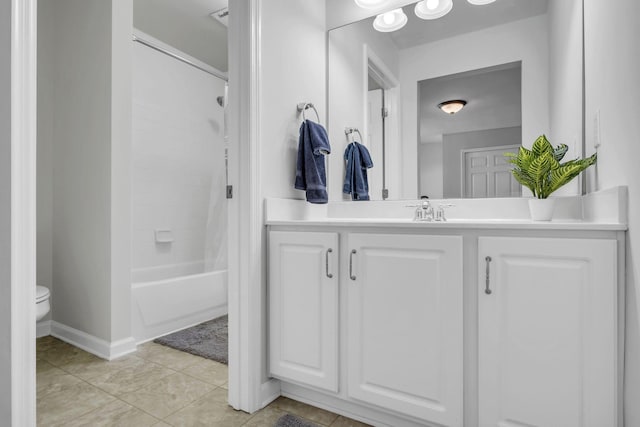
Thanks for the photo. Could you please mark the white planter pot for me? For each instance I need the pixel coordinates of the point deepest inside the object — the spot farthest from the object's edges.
(541, 209)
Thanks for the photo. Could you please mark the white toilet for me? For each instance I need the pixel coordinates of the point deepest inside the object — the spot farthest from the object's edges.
(42, 302)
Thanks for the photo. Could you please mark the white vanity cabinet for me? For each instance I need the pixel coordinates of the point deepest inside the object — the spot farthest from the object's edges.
(548, 332)
(404, 324)
(450, 324)
(303, 308)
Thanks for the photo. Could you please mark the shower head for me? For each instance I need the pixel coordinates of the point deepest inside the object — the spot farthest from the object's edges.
(220, 100)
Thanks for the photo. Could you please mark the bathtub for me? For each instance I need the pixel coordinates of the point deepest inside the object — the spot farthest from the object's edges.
(167, 299)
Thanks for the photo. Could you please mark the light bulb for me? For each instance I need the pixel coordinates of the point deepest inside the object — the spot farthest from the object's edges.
(433, 4)
(388, 18)
(433, 9)
(390, 21)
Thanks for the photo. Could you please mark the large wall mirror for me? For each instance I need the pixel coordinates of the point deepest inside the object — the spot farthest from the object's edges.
(516, 64)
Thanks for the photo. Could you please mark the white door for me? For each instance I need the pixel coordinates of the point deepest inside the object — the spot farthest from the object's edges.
(486, 173)
(404, 324)
(303, 308)
(547, 332)
(374, 142)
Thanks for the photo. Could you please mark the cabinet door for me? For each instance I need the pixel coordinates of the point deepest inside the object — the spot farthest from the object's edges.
(547, 332)
(303, 307)
(404, 324)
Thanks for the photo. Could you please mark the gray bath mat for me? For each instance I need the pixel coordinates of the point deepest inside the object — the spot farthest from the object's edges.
(292, 421)
(208, 339)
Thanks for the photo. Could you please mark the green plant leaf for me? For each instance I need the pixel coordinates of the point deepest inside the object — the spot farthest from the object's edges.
(540, 170)
(541, 146)
(560, 151)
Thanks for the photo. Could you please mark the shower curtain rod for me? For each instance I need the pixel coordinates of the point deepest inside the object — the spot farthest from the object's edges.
(147, 43)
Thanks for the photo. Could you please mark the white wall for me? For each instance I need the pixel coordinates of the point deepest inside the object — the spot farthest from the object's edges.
(496, 45)
(612, 70)
(5, 213)
(44, 183)
(187, 26)
(565, 86)
(347, 90)
(178, 164)
(85, 108)
(292, 70)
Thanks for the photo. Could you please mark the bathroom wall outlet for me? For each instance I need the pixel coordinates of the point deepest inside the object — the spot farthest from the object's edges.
(597, 140)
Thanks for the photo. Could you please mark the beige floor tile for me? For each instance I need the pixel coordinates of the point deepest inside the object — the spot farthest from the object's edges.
(44, 343)
(211, 410)
(209, 371)
(94, 366)
(267, 417)
(116, 413)
(347, 422)
(47, 375)
(130, 378)
(164, 397)
(162, 424)
(59, 353)
(303, 410)
(68, 398)
(166, 356)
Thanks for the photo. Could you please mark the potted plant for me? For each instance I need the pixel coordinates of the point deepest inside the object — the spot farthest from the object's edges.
(540, 170)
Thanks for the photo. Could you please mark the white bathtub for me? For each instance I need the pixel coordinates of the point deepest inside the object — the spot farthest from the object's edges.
(162, 306)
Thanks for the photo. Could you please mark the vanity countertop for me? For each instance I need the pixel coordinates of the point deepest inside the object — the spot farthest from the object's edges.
(604, 210)
(495, 224)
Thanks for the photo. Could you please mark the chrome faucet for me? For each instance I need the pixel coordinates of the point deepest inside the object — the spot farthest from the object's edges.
(424, 211)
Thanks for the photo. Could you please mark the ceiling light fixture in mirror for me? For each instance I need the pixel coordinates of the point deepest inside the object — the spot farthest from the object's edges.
(433, 9)
(480, 2)
(371, 4)
(390, 21)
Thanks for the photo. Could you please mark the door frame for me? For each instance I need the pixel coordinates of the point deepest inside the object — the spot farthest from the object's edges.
(463, 165)
(247, 391)
(23, 211)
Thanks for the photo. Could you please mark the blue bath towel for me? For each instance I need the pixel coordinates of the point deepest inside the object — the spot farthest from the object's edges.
(358, 160)
(313, 145)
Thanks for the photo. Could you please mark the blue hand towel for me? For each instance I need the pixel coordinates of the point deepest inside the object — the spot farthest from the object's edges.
(358, 160)
(313, 145)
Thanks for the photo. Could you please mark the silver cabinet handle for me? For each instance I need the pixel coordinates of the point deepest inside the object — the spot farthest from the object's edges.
(487, 289)
(326, 263)
(353, 252)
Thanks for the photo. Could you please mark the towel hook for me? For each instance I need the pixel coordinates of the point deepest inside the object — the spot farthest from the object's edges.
(303, 106)
(348, 131)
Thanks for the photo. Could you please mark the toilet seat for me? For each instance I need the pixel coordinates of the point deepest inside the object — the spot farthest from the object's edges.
(42, 294)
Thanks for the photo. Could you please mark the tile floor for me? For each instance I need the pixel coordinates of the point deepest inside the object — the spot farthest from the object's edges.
(156, 386)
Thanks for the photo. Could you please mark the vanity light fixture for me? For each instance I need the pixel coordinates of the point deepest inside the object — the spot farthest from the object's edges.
(390, 21)
(453, 106)
(480, 2)
(433, 9)
(371, 4)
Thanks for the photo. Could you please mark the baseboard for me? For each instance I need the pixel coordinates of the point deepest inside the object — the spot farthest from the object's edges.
(43, 328)
(99, 347)
(269, 391)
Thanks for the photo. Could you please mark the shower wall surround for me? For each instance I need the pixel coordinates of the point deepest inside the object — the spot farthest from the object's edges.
(178, 167)
(486, 319)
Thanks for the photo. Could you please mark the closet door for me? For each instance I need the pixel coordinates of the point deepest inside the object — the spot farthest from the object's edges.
(404, 324)
(547, 332)
(303, 308)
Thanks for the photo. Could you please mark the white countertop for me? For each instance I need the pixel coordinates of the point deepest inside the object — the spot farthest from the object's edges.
(601, 211)
(496, 224)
